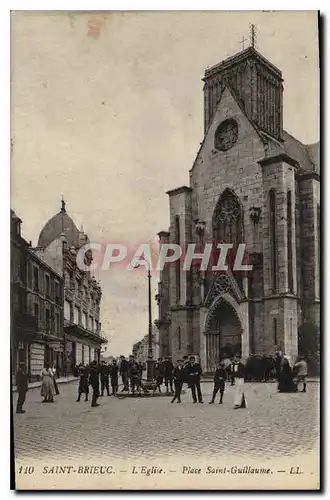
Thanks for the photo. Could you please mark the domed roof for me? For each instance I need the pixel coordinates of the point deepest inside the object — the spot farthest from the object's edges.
(58, 224)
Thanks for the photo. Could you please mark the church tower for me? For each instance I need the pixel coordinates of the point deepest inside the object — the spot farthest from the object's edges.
(258, 87)
(251, 183)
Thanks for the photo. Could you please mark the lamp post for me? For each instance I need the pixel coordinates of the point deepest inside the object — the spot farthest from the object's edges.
(149, 384)
(150, 362)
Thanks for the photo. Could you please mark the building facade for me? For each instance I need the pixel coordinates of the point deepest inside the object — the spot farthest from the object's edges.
(45, 303)
(58, 245)
(140, 348)
(22, 326)
(251, 183)
(36, 307)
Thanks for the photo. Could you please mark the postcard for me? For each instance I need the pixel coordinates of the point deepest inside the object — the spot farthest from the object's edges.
(165, 250)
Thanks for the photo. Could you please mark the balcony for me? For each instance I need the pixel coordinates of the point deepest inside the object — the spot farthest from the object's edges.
(80, 331)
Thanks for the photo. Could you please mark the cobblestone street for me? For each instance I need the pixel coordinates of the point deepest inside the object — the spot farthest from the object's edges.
(273, 425)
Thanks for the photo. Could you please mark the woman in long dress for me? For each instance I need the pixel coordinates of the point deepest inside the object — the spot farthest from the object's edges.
(285, 382)
(47, 385)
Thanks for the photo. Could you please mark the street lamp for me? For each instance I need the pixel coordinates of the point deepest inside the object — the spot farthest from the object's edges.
(150, 362)
(150, 383)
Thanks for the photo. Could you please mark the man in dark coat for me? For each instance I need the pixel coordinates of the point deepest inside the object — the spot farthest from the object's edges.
(159, 374)
(178, 376)
(168, 373)
(135, 377)
(104, 374)
(22, 384)
(249, 368)
(227, 363)
(258, 368)
(264, 367)
(114, 377)
(278, 364)
(193, 373)
(219, 382)
(123, 370)
(83, 383)
(94, 381)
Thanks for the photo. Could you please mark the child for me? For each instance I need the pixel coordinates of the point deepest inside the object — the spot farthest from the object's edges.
(219, 382)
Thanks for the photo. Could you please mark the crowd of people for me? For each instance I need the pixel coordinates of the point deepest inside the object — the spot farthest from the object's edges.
(104, 377)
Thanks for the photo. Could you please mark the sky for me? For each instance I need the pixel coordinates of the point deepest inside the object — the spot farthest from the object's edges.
(107, 110)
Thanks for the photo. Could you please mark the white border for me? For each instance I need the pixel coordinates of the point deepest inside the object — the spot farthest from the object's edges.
(5, 157)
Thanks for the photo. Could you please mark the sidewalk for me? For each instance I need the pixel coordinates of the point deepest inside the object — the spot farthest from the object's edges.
(61, 380)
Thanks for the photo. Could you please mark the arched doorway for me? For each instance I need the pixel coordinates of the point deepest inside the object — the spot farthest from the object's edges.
(223, 333)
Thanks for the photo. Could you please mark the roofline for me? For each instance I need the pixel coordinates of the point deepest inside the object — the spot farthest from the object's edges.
(237, 58)
(282, 157)
(179, 190)
(14, 216)
(163, 233)
(305, 176)
(36, 257)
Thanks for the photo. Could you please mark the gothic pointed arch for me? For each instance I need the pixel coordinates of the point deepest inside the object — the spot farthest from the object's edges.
(227, 221)
(223, 331)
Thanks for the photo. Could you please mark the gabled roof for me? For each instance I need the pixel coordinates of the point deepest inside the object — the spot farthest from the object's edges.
(240, 104)
(308, 156)
(314, 153)
(301, 153)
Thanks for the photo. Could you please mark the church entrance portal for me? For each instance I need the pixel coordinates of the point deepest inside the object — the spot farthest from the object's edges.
(223, 334)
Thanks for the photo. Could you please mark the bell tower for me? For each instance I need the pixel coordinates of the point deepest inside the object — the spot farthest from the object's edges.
(256, 83)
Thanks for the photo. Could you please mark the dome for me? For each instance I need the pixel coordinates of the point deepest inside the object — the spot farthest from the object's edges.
(58, 224)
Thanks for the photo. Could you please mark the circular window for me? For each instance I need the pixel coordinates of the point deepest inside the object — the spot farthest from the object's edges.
(226, 135)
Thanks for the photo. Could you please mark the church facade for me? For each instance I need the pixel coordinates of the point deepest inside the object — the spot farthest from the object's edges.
(251, 183)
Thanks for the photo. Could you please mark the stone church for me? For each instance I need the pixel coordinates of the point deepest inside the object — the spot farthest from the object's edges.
(253, 183)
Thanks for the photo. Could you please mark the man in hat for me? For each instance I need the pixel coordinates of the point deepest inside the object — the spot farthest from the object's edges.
(168, 373)
(114, 376)
(219, 382)
(22, 387)
(278, 363)
(227, 363)
(123, 370)
(134, 376)
(159, 374)
(238, 372)
(178, 376)
(104, 374)
(94, 381)
(193, 373)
